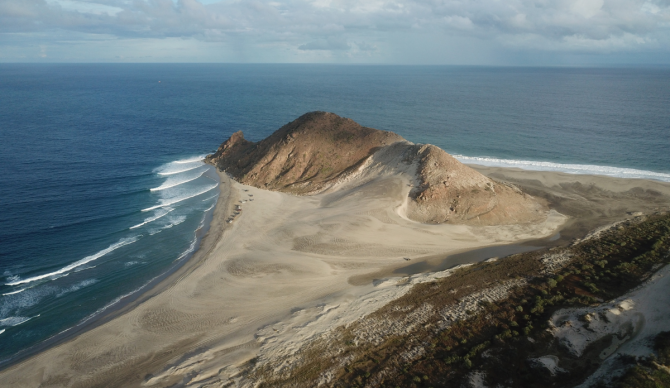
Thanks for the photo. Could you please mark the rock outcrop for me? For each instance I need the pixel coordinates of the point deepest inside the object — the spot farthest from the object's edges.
(319, 150)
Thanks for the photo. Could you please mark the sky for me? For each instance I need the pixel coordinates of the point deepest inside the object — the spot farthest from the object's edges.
(450, 32)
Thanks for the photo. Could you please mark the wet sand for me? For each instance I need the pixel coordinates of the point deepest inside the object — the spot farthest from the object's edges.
(285, 253)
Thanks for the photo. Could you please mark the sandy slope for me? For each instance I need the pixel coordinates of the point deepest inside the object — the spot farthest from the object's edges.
(283, 255)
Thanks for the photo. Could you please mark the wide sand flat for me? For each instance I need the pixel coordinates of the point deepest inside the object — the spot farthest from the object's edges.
(285, 254)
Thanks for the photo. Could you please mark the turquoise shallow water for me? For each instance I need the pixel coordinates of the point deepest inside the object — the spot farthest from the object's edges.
(101, 189)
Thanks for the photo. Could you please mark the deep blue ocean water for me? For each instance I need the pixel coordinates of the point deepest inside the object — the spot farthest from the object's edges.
(83, 145)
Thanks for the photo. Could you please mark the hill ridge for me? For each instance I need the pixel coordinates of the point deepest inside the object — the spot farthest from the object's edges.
(320, 150)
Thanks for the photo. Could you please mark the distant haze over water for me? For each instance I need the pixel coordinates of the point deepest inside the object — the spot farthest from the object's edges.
(101, 187)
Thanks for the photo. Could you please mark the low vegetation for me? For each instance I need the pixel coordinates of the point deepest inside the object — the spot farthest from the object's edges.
(496, 337)
(646, 372)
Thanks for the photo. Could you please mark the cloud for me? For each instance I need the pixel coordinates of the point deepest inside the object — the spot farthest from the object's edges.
(328, 25)
(364, 46)
(333, 45)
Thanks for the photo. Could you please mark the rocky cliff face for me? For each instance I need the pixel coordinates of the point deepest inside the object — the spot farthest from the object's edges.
(319, 149)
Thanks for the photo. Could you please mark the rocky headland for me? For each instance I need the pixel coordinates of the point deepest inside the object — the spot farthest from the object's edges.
(320, 151)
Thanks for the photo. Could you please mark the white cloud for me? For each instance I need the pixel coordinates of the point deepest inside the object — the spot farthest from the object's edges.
(297, 26)
(330, 44)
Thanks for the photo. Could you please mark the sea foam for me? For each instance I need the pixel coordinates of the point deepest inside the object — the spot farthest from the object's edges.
(13, 292)
(15, 321)
(87, 259)
(151, 219)
(619, 172)
(76, 287)
(172, 202)
(168, 185)
(180, 171)
(198, 159)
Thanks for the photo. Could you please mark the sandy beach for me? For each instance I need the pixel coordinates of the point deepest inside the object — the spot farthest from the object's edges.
(285, 254)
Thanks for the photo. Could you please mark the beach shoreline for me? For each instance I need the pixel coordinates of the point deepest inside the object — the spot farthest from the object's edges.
(205, 236)
(166, 332)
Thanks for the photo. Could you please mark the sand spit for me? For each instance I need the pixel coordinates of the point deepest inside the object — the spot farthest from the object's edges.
(591, 201)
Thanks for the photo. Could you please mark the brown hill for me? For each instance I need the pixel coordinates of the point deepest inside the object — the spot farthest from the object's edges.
(319, 149)
(302, 156)
(450, 191)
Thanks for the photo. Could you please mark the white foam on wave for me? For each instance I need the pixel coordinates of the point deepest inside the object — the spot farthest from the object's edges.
(620, 172)
(180, 171)
(81, 269)
(15, 321)
(207, 199)
(2, 331)
(11, 305)
(76, 287)
(168, 185)
(172, 202)
(172, 222)
(196, 159)
(190, 250)
(87, 259)
(116, 300)
(151, 219)
(11, 277)
(14, 292)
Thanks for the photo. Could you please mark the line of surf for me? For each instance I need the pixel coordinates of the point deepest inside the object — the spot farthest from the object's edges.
(87, 259)
(198, 159)
(15, 321)
(179, 200)
(619, 172)
(152, 219)
(159, 188)
(213, 196)
(180, 171)
(14, 292)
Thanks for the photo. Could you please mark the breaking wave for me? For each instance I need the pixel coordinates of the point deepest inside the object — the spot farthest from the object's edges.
(151, 219)
(180, 171)
(14, 292)
(619, 172)
(76, 287)
(198, 159)
(15, 321)
(87, 259)
(180, 199)
(170, 185)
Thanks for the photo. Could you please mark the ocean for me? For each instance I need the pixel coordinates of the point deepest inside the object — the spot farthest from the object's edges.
(102, 188)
